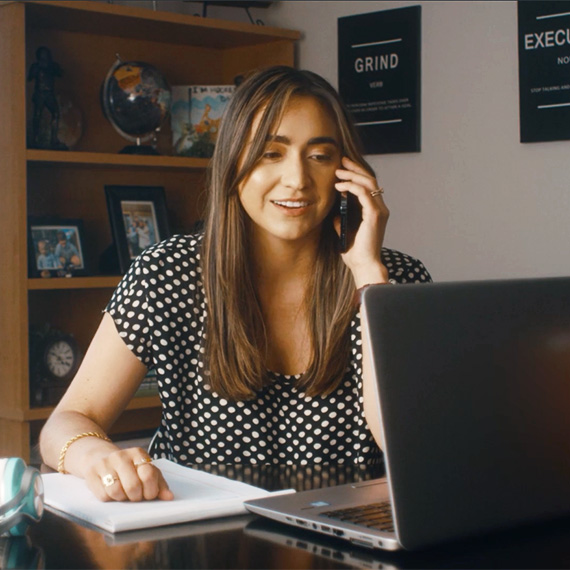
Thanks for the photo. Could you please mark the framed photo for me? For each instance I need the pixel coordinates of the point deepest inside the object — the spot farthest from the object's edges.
(138, 219)
(56, 247)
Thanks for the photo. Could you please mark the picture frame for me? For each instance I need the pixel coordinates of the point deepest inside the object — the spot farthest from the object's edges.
(56, 247)
(138, 218)
(543, 58)
(379, 77)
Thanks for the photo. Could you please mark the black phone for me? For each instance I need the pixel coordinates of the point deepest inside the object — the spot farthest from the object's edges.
(343, 222)
(350, 218)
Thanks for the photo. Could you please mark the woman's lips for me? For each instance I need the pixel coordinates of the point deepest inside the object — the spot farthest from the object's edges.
(292, 207)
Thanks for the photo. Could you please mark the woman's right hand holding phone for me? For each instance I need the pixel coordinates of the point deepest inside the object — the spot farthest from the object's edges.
(363, 255)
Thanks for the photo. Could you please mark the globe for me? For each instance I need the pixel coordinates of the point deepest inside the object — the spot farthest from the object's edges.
(136, 100)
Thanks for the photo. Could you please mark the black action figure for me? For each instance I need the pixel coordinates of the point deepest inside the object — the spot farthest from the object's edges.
(44, 70)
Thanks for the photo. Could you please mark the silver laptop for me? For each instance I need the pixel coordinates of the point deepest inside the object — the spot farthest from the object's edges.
(473, 383)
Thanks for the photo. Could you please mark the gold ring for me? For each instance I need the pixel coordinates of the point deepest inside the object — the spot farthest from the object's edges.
(108, 479)
(142, 461)
(377, 192)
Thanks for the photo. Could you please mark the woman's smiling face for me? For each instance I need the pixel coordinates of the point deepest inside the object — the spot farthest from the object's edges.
(290, 190)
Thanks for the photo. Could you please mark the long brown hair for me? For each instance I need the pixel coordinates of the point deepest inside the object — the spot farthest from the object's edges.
(235, 344)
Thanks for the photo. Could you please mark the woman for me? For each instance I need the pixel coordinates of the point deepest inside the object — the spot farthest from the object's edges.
(251, 326)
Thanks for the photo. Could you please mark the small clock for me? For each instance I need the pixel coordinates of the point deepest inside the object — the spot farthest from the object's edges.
(54, 360)
(60, 358)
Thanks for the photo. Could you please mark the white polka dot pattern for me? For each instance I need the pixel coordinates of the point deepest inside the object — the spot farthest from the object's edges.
(160, 312)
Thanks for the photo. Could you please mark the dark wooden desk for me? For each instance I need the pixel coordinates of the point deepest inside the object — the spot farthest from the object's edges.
(251, 542)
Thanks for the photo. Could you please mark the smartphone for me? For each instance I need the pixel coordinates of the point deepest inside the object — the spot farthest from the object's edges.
(350, 218)
(343, 222)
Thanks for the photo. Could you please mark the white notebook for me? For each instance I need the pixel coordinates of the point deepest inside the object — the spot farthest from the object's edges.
(197, 495)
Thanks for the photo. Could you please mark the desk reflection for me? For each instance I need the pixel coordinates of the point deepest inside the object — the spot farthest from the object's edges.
(214, 543)
(247, 541)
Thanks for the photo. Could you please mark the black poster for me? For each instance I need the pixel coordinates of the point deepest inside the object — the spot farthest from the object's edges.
(379, 66)
(544, 70)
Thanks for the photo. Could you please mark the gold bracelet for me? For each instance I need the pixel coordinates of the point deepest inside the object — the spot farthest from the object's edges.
(73, 440)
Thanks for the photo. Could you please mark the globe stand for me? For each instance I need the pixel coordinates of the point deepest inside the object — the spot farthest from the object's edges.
(143, 149)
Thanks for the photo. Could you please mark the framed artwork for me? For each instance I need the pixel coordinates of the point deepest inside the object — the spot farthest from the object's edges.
(138, 219)
(379, 77)
(56, 247)
(544, 65)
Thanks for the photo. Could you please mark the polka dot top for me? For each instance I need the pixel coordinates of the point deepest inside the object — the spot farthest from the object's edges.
(159, 310)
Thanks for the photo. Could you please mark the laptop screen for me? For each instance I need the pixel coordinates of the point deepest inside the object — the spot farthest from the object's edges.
(474, 386)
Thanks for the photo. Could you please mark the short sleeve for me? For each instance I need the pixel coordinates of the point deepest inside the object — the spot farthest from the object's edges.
(404, 268)
(130, 309)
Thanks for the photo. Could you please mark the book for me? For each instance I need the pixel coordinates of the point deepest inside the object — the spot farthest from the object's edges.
(195, 114)
(197, 495)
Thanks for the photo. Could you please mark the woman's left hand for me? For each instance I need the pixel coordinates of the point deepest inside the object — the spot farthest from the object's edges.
(363, 255)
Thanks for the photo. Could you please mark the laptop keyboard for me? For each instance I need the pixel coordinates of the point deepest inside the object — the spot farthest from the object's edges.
(375, 515)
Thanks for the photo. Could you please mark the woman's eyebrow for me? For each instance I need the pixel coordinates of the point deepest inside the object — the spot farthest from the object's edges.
(324, 140)
(315, 140)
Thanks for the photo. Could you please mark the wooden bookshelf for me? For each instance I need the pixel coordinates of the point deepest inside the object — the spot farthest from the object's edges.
(84, 38)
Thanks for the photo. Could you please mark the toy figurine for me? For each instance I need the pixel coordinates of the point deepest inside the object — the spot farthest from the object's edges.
(44, 70)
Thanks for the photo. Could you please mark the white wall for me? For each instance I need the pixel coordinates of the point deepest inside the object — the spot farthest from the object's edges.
(474, 203)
